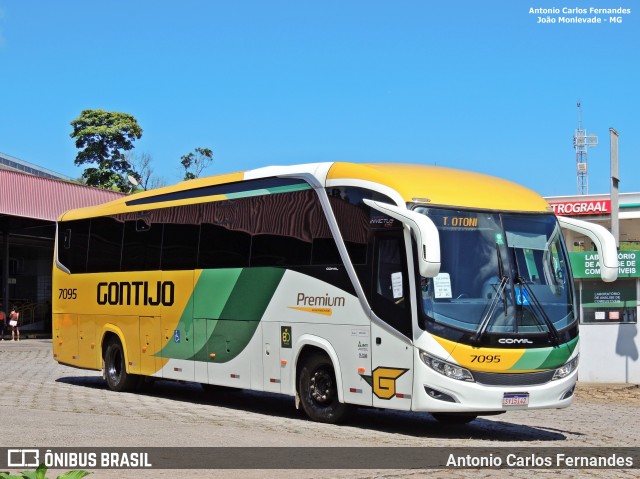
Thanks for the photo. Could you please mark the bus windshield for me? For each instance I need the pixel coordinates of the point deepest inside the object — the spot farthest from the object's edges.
(500, 273)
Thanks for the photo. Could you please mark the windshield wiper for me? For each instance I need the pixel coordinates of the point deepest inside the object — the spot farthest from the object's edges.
(536, 306)
(500, 293)
(538, 310)
(486, 319)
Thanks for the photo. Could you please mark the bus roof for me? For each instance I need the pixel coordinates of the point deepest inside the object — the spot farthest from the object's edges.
(438, 185)
(431, 185)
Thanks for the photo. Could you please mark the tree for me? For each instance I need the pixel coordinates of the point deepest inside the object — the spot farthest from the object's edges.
(142, 165)
(102, 137)
(195, 162)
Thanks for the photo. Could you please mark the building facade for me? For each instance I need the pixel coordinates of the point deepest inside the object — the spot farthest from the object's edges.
(32, 201)
(609, 311)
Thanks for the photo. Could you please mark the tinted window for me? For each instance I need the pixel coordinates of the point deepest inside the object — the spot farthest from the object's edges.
(357, 223)
(141, 245)
(105, 244)
(180, 237)
(355, 219)
(223, 248)
(283, 229)
(225, 239)
(275, 250)
(325, 251)
(73, 241)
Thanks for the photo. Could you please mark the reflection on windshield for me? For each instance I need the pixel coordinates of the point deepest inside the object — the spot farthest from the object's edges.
(500, 273)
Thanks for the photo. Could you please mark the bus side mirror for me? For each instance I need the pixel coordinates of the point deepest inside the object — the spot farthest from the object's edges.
(424, 231)
(604, 241)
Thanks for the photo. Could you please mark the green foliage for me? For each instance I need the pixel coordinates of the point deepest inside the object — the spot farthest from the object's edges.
(102, 137)
(41, 473)
(629, 246)
(195, 162)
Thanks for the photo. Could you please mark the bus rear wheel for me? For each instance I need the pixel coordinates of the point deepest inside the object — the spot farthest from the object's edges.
(115, 368)
(318, 391)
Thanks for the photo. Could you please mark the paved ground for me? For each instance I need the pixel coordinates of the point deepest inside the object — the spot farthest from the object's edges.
(44, 405)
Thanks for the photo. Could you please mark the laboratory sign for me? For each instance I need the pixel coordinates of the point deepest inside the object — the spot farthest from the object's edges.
(586, 264)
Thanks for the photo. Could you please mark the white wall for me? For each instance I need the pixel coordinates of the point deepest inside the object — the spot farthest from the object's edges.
(609, 353)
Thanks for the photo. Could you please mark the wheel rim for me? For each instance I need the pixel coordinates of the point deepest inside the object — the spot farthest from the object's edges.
(114, 368)
(321, 387)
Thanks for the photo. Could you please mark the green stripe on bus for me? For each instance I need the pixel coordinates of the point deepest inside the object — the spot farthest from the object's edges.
(269, 191)
(545, 358)
(228, 305)
(241, 316)
(252, 293)
(213, 290)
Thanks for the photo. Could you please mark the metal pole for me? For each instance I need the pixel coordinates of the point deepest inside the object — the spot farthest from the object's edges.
(615, 180)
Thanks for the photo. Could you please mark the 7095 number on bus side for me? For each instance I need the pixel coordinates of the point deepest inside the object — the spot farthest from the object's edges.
(68, 293)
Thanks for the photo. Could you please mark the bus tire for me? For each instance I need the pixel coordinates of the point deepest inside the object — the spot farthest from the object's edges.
(453, 418)
(115, 368)
(318, 391)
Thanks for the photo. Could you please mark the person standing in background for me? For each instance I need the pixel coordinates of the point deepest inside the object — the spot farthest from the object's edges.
(14, 317)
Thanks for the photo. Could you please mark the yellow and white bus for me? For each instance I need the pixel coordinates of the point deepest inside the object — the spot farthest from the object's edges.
(398, 286)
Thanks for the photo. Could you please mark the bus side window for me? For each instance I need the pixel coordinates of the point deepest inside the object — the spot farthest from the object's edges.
(180, 237)
(141, 246)
(74, 238)
(105, 245)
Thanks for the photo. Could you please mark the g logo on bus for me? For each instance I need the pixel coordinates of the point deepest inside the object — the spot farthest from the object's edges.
(383, 381)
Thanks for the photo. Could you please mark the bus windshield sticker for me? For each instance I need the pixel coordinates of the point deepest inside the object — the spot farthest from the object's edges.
(396, 284)
(442, 286)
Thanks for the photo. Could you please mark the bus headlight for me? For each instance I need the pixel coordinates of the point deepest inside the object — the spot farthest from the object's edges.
(566, 369)
(452, 371)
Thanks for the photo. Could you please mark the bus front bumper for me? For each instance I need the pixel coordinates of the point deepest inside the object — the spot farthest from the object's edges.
(437, 393)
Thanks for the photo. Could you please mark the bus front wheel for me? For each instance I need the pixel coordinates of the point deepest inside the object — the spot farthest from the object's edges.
(115, 368)
(318, 391)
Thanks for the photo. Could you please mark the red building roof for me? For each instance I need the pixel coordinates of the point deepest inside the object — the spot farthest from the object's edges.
(31, 196)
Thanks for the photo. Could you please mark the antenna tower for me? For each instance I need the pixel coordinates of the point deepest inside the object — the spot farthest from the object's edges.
(580, 142)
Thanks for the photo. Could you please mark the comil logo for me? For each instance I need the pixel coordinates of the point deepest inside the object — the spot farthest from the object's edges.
(514, 341)
(23, 458)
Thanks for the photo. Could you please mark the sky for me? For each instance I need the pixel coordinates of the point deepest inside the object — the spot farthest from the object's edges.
(475, 85)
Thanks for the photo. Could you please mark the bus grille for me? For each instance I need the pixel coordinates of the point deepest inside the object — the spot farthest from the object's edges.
(513, 379)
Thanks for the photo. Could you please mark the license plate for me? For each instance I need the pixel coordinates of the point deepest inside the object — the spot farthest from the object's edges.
(515, 400)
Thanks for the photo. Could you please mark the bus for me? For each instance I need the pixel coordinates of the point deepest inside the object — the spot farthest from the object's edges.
(409, 287)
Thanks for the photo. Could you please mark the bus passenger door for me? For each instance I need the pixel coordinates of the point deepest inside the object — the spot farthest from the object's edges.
(391, 351)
